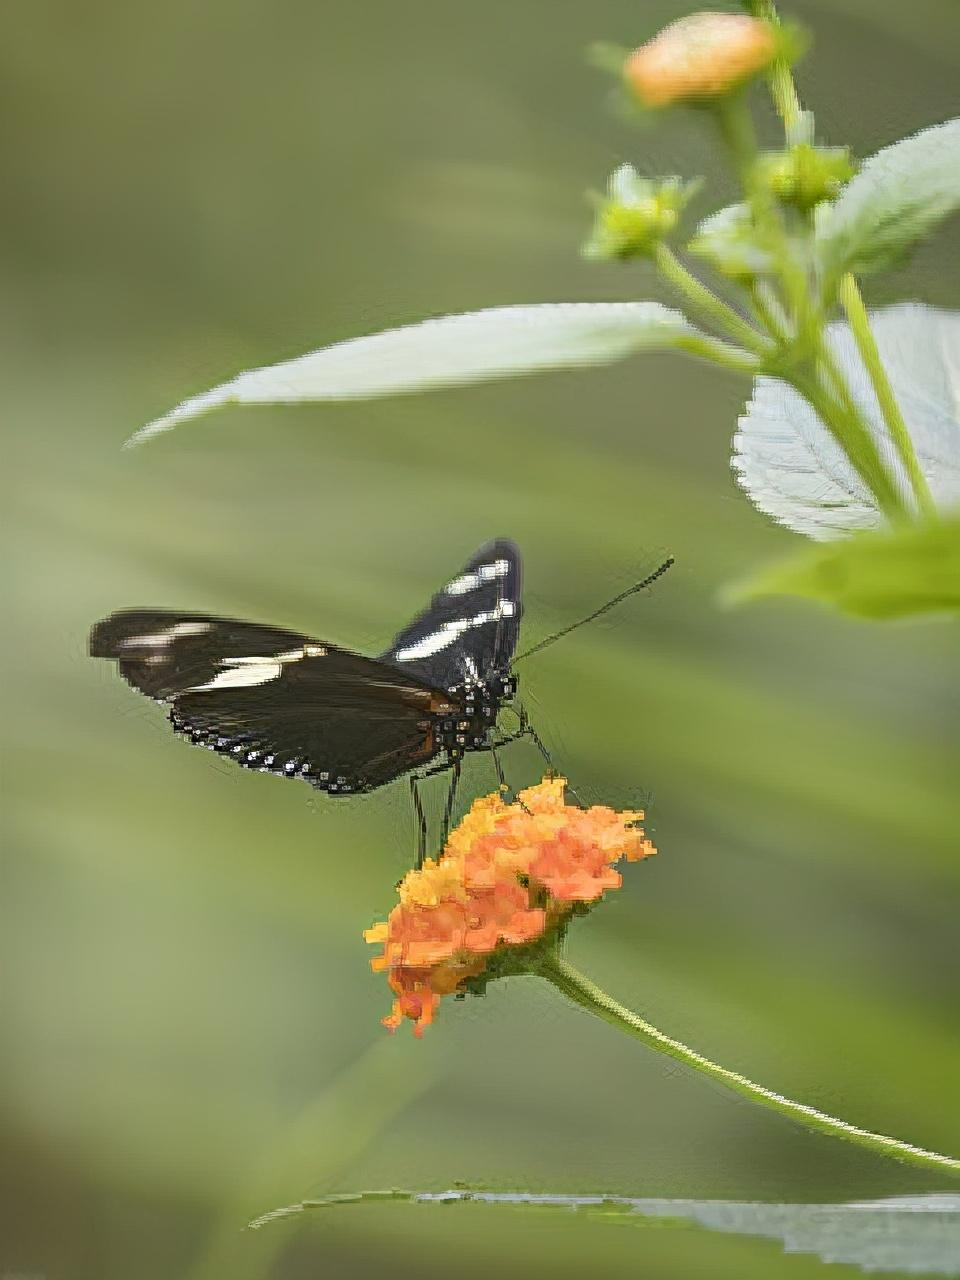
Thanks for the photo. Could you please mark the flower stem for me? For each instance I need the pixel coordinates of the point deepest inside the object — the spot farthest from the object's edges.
(767, 307)
(779, 77)
(736, 129)
(707, 302)
(856, 313)
(840, 417)
(851, 432)
(585, 993)
(721, 353)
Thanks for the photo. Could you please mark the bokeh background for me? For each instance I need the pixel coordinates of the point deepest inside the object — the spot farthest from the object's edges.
(190, 1026)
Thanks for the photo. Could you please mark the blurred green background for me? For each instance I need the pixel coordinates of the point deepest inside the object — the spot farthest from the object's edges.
(190, 1026)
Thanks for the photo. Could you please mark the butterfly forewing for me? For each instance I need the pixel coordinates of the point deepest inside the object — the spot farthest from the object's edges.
(276, 699)
(469, 630)
(164, 653)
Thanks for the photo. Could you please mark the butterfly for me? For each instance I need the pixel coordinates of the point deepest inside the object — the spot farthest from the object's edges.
(286, 703)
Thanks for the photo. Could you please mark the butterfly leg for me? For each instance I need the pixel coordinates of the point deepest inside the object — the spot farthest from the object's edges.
(448, 810)
(501, 778)
(418, 809)
(421, 821)
(528, 729)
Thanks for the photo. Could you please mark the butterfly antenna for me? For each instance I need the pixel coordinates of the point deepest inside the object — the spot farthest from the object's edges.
(637, 586)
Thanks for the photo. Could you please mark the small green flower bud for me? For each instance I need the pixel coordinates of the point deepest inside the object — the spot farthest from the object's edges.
(636, 214)
(805, 175)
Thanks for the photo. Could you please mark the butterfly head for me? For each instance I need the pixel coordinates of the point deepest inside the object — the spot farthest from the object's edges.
(490, 693)
(479, 703)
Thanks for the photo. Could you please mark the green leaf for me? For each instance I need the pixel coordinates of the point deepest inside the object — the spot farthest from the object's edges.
(730, 241)
(899, 194)
(896, 574)
(791, 467)
(449, 351)
(918, 1234)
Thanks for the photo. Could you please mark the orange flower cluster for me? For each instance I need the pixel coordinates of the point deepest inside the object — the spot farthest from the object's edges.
(511, 874)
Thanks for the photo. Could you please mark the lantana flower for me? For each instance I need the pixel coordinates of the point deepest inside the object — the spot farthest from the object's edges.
(510, 878)
(499, 901)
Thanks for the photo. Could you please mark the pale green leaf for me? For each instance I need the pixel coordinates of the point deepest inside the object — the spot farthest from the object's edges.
(792, 468)
(898, 195)
(919, 1235)
(893, 574)
(449, 351)
(729, 240)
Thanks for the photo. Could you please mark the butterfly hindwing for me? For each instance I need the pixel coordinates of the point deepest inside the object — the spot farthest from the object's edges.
(470, 628)
(275, 699)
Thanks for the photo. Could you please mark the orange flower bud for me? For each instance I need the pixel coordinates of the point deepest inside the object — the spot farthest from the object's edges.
(699, 57)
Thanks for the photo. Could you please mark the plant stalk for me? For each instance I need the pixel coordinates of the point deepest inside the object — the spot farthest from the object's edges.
(590, 997)
(769, 312)
(841, 418)
(779, 76)
(736, 129)
(708, 304)
(852, 303)
(851, 432)
(721, 353)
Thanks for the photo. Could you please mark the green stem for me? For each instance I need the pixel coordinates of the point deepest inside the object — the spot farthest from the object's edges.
(847, 427)
(769, 312)
(707, 302)
(852, 304)
(736, 130)
(843, 422)
(585, 993)
(721, 353)
(779, 76)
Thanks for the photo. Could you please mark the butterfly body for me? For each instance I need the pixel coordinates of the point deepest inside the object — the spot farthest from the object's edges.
(281, 702)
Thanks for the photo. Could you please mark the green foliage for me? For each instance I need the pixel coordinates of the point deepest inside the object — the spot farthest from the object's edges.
(899, 195)
(918, 1234)
(450, 351)
(896, 574)
(785, 458)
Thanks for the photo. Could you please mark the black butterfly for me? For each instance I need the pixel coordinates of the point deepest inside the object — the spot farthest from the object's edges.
(285, 703)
